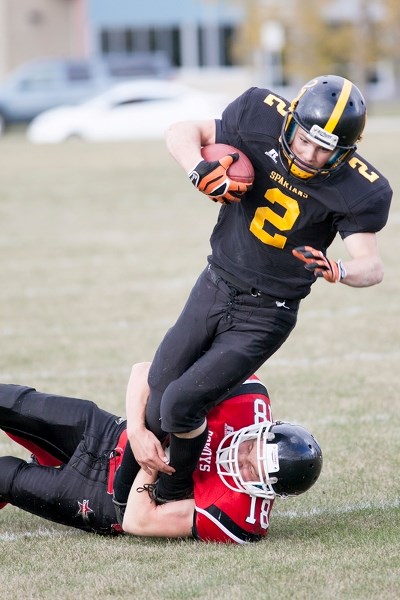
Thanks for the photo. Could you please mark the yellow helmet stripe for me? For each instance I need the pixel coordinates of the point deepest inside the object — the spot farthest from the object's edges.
(340, 106)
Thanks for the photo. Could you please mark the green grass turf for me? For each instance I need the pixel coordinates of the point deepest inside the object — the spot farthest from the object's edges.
(99, 246)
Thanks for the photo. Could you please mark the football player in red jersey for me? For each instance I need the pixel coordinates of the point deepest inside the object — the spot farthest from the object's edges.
(247, 460)
(269, 246)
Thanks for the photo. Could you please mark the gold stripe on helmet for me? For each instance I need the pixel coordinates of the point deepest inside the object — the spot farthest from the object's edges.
(340, 106)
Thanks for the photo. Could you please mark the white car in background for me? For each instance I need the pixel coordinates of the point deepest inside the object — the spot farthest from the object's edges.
(139, 109)
(45, 83)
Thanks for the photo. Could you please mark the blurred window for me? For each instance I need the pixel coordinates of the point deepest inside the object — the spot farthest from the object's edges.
(41, 79)
(129, 69)
(78, 72)
(175, 54)
(226, 42)
(142, 40)
(168, 40)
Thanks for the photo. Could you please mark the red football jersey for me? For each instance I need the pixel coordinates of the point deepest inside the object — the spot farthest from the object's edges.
(221, 514)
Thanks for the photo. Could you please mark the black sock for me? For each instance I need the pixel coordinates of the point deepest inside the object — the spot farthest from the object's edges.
(184, 456)
(125, 475)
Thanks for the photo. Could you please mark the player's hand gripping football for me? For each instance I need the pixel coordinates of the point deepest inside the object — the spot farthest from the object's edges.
(322, 266)
(212, 179)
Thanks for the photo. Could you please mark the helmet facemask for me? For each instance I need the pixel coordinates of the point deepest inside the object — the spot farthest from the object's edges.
(298, 168)
(287, 458)
(227, 460)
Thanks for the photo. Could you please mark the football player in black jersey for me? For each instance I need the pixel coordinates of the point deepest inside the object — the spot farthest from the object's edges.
(269, 246)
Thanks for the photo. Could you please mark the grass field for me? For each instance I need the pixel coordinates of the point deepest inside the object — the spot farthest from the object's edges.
(99, 247)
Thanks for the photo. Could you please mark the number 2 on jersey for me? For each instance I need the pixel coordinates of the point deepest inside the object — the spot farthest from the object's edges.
(265, 214)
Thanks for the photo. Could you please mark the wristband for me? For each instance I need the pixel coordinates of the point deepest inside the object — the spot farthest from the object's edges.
(342, 270)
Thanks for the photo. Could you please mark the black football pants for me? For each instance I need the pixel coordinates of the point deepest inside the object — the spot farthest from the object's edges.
(222, 336)
(77, 433)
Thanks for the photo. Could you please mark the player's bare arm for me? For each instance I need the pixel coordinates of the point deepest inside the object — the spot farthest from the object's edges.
(184, 140)
(145, 518)
(145, 446)
(365, 267)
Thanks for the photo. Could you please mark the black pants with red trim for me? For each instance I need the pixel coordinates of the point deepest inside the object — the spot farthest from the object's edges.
(81, 437)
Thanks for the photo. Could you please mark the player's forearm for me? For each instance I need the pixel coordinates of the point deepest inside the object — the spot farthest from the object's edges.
(140, 506)
(365, 267)
(184, 140)
(137, 393)
(145, 518)
(363, 271)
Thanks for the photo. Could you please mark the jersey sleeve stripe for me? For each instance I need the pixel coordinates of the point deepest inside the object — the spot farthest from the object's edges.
(229, 527)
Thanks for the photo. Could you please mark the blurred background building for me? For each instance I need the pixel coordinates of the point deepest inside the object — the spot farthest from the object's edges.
(276, 42)
(41, 28)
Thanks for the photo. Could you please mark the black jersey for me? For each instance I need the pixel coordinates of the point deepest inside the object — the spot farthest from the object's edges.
(253, 239)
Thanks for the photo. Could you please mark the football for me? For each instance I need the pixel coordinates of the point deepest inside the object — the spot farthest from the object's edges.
(241, 170)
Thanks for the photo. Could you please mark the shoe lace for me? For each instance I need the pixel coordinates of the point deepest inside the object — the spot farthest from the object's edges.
(147, 487)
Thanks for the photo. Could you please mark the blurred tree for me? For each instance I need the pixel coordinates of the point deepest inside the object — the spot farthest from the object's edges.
(390, 34)
(347, 38)
(305, 55)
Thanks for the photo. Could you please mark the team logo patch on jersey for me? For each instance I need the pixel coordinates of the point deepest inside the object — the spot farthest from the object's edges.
(84, 510)
(272, 154)
(228, 429)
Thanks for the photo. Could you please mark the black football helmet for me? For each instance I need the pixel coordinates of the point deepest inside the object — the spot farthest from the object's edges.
(333, 112)
(289, 460)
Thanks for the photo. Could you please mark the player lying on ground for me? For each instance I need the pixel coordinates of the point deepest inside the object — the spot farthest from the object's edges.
(246, 462)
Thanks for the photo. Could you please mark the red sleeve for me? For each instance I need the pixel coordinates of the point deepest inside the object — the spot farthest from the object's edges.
(206, 530)
(216, 525)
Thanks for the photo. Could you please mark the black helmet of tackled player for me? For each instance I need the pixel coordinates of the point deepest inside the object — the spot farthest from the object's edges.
(288, 460)
(333, 113)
